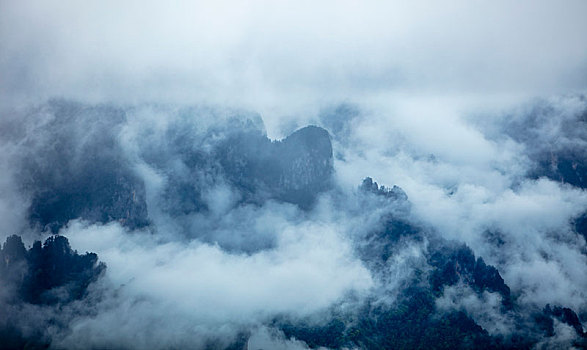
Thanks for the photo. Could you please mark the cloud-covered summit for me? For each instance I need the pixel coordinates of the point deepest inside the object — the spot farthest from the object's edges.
(290, 175)
(239, 239)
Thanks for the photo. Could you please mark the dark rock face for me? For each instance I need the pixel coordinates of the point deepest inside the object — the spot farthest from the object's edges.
(101, 197)
(36, 285)
(77, 169)
(565, 315)
(306, 161)
(413, 320)
(393, 227)
(412, 323)
(545, 321)
(580, 225)
(395, 192)
(48, 273)
(293, 170)
(458, 264)
(565, 166)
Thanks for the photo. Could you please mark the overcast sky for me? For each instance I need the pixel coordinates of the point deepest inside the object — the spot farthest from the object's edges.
(264, 54)
(422, 75)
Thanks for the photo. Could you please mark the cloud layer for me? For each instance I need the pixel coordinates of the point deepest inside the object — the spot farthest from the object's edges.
(280, 57)
(476, 110)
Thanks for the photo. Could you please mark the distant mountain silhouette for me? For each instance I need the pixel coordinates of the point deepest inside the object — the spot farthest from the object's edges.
(83, 171)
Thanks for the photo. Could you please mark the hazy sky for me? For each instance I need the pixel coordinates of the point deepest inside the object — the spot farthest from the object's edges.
(434, 84)
(265, 54)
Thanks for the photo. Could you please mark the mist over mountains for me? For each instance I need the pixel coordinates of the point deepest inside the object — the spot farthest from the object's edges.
(293, 175)
(205, 233)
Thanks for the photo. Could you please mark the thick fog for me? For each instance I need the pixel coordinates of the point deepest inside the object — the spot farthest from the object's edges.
(172, 140)
(280, 56)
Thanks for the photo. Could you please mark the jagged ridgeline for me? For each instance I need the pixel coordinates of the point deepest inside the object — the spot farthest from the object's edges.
(97, 163)
(37, 285)
(78, 164)
(416, 319)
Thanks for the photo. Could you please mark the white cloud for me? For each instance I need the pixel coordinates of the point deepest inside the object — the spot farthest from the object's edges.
(280, 57)
(311, 267)
(434, 84)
